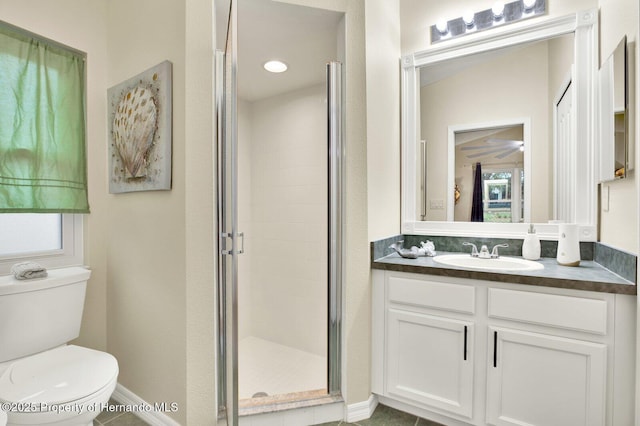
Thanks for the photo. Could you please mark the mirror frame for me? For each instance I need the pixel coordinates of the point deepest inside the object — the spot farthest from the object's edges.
(583, 183)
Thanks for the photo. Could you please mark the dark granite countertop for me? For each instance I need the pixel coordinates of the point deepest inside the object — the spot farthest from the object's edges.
(588, 276)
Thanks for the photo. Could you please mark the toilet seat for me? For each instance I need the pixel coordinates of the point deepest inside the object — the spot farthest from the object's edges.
(68, 376)
(58, 376)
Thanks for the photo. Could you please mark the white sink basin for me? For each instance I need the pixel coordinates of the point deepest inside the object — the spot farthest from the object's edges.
(499, 264)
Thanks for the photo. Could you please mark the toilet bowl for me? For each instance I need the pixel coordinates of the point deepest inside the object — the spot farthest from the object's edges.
(44, 381)
(68, 385)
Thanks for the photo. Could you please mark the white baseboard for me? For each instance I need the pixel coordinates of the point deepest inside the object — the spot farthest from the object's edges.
(361, 410)
(150, 413)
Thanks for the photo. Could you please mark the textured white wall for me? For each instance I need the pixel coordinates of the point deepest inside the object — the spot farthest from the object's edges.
(199, 210)
(383, 118)
(619, 225)
(146, 246)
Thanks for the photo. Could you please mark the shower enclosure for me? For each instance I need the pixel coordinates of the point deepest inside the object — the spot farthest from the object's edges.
(279, 207)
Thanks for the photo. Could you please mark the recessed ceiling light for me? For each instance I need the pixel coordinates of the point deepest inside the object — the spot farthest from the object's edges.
(275, 66)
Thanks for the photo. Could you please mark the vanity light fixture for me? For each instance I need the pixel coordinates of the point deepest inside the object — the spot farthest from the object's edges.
(500, 14)
(275, 66)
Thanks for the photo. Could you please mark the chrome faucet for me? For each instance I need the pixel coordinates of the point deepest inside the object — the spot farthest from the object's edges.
(474, 249)
(484, 251)
(494, 251)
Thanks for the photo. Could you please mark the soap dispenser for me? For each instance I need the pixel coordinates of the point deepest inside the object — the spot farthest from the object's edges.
(531, 245)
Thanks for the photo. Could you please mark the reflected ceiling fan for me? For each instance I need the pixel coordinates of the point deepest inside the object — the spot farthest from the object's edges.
(501, 147)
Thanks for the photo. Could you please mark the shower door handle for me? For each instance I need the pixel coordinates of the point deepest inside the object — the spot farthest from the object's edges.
(230, 235)
(241, 235)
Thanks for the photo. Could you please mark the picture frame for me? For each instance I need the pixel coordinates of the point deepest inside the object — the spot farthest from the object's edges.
(140, 131)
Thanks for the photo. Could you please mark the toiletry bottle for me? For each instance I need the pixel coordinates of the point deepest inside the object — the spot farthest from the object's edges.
(531, 245)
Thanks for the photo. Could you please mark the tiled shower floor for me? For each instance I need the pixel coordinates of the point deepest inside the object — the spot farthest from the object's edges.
(274, 369)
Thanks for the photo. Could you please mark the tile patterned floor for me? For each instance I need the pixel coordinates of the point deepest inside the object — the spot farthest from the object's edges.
(387, 416)
(118, 418)
(383, 416)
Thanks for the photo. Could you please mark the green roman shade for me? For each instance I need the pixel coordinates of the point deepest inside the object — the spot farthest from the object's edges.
(43, 166)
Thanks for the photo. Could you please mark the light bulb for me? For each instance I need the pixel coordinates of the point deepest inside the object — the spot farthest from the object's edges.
(468, 18)
(498, 9)
(442, 26)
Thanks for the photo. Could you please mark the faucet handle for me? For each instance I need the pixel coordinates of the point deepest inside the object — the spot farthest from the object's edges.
(474, 249)
(494, 251)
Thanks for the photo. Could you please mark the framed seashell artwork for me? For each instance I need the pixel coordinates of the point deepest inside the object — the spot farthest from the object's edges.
(140, 134)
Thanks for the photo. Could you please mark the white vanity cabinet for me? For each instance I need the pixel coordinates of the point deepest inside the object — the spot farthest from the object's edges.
(546, 377)
(430, 360)
(471, 352)
(541, 379)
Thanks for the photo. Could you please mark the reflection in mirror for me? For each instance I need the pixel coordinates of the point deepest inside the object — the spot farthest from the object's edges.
(516, 84)
(613, 115)
(489, 175)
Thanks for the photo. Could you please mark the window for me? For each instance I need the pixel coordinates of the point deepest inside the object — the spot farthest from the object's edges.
(53, 240)
(43, 176)
(503, 195)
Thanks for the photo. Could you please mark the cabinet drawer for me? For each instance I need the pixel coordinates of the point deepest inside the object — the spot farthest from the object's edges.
(573, 313)
(432, 294)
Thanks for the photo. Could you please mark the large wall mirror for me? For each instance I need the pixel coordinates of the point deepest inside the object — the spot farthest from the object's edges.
(614, 111)
(498, 132)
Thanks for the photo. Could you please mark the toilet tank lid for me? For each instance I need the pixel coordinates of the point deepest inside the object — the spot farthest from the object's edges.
(56, 277)
(57, 376)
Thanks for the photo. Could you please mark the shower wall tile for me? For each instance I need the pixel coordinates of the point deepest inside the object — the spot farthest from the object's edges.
(244, 216)
(289, 220)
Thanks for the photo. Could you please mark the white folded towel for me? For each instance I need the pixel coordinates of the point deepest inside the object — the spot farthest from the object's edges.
(28, 270)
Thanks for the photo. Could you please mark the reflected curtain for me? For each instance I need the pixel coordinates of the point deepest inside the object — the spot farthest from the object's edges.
(477, 214)
(42, 126)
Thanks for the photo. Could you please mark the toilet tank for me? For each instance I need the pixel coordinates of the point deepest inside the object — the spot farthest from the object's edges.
(40, 314)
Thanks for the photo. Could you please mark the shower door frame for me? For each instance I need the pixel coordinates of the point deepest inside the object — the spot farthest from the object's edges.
(225, 86)
(228, 237)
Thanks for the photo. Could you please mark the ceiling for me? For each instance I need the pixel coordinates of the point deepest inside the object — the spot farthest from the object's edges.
(496, 144)
(302, 37)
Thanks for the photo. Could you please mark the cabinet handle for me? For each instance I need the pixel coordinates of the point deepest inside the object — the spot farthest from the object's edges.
(495, 349)
(465, 343)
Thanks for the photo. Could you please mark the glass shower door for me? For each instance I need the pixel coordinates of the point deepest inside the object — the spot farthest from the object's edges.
(227, 229)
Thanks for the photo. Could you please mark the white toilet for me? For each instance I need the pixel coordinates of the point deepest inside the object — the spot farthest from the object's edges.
(44, 381)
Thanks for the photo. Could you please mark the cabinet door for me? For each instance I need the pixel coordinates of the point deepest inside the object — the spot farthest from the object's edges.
(544, 380)
(430, 361)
